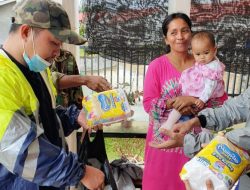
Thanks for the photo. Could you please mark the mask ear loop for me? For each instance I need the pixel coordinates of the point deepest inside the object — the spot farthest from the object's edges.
(23, 47)
(24, 51)
(33, 41)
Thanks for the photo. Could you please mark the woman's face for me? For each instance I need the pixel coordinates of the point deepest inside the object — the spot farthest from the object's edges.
(178, 35)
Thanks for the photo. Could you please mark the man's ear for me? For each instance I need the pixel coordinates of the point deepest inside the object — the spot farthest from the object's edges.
(25, 31)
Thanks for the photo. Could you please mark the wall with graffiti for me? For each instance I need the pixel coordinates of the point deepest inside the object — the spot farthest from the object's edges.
(123, 25)
(229, 20)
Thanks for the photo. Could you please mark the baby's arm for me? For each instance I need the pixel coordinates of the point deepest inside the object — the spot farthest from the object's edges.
(212, 73)
(207, 92)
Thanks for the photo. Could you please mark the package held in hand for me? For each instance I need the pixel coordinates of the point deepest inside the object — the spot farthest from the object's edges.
(106, 107)
(220, 161)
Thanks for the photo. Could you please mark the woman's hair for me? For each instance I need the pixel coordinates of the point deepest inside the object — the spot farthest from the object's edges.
(173, 16)
(204, 35)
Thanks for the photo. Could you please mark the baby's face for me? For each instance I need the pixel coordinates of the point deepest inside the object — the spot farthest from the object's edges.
(203, 51)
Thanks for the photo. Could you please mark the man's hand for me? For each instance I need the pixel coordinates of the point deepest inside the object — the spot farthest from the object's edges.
(170, 143)
(81, 120)
(183, 127)
(93, 178)
(209, 185)
(98, 127)
(97, 83)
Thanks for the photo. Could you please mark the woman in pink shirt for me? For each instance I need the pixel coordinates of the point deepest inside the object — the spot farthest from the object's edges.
(162, 93)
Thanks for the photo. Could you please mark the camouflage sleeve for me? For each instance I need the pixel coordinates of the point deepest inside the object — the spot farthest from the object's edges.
(56, 76)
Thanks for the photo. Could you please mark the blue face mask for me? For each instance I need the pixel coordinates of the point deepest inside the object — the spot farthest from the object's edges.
(36, 63)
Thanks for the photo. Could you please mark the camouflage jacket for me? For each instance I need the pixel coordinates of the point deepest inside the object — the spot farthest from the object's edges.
(66, 64)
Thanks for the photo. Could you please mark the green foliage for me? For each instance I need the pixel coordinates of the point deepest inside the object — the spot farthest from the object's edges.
(82, 30)
(130, 148)
(82, 52)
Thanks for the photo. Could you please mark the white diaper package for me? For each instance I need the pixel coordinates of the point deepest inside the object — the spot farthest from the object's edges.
(220, 161)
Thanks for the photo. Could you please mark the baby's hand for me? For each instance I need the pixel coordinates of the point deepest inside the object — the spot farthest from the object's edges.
(199, 104)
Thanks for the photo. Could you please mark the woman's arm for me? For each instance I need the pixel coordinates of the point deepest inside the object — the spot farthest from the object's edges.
(151, 89)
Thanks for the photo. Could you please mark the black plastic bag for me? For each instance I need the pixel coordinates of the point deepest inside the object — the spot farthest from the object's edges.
(128, 175)
(93, 153)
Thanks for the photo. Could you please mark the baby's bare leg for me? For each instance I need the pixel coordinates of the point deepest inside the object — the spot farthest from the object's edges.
(173, 117)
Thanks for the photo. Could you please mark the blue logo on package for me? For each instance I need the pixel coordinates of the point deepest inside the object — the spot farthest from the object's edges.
(228, 154)
(105, 102)
(204, 161)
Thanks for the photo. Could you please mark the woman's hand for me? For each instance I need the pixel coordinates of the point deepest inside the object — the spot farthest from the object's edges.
(188, 110)
(169, 104)
(182, 101)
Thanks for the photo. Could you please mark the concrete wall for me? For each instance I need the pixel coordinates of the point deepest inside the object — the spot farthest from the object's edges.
(179, 6)
(5, 19)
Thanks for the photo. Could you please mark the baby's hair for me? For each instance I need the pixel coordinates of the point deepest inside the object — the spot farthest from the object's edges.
(206, 35)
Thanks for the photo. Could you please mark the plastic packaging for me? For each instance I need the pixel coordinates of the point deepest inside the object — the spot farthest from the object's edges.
(220, 161)
(106, 107)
